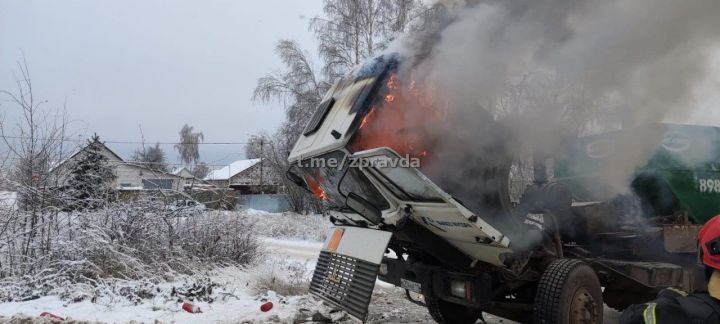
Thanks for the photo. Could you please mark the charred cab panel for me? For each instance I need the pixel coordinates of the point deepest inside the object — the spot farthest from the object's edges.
(338, 114)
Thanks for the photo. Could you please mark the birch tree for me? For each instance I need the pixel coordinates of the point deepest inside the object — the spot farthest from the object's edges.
(189, 146)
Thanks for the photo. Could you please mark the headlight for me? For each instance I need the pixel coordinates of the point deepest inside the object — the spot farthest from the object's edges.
(457, 289)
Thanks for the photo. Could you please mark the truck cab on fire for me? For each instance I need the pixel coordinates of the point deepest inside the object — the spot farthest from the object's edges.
(364, 153)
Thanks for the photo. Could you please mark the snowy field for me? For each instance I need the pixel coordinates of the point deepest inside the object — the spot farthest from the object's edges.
(233, 294)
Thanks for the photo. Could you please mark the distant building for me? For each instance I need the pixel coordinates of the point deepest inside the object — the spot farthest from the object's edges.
(246, 176)
(130, 175)
(182, 172)
(188, 178)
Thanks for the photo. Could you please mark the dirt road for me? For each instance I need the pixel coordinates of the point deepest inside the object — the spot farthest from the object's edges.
(389, 305)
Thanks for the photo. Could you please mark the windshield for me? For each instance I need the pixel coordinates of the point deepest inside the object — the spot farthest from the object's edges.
(404, 182)
(331, 180)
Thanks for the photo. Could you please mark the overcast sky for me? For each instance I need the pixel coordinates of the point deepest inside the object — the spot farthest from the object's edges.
(159, 64)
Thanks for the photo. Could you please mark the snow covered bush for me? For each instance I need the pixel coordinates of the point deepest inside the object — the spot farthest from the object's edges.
(291, 226)
(131, 241)
(285, 277)
(219, 237)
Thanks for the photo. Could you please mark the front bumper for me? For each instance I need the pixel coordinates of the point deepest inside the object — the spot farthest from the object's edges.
(347, 268)
(344, 281)
(436, 281)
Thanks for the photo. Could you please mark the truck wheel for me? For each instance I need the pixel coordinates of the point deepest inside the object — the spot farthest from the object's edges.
(448, 313)
(569, 292)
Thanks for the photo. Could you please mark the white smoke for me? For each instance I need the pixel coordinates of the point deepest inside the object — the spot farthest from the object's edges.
(549, 69)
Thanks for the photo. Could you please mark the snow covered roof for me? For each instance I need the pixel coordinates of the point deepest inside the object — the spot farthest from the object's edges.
(183, 172)
(231, 170)
(110, 154)
(178, 170)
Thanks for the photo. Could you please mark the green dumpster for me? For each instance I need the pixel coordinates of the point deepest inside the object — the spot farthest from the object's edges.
(669, 167)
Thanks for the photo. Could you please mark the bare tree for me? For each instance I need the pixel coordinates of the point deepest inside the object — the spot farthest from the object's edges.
(189, 146)
(152, 157)
(352, 30)
(300, 89)
(545, 111)
(274, 154)
(253, 147)
(298, 86)
(200, 170)
(544, 96)
(34, 143)
(4, 182)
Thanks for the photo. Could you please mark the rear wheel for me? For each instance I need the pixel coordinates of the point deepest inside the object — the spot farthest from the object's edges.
(569, 292)
(448, 313)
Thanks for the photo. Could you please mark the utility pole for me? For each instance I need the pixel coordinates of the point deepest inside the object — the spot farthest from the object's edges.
(262, 142)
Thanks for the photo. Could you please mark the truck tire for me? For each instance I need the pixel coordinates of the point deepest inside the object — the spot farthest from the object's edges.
(569, 292)
(445, 312)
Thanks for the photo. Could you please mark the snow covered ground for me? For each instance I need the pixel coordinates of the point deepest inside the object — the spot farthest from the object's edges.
(234, 304)
(231, 294)
(237, 302)
(236, 294)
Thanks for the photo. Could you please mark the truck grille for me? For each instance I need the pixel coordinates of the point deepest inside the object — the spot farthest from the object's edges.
(345, 282)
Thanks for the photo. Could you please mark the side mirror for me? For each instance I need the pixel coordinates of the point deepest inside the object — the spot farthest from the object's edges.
(363, 207)
(296, 179)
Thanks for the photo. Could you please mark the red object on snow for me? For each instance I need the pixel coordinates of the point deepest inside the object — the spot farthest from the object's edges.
(190, 308)
(51, 316)
(266, 307)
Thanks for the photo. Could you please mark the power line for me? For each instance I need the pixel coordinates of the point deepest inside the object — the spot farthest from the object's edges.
(60, 158)
(129, 142)
(130, 162)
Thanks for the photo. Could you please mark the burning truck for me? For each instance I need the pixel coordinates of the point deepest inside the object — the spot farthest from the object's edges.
(414, 209)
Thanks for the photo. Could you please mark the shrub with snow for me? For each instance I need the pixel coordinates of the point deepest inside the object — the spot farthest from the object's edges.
(73, 254)
(287, 278)
(288, 225)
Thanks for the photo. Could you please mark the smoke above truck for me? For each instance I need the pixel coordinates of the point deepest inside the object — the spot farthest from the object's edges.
(496, 90)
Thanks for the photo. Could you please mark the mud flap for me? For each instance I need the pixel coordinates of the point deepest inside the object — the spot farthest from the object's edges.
(348, 267)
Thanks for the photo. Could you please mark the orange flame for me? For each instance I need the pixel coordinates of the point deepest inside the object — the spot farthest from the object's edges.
(365, 119)
(314, 186)
(392, 82)
(402, 120)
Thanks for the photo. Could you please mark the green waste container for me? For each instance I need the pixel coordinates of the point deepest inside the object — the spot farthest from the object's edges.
(670, 167)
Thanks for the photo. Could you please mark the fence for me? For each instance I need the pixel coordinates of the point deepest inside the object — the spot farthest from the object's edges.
(274, 203)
